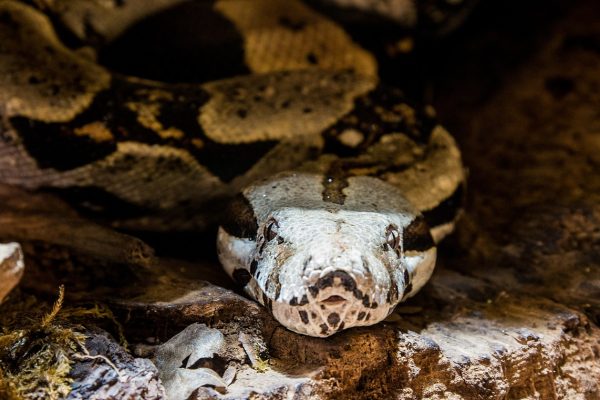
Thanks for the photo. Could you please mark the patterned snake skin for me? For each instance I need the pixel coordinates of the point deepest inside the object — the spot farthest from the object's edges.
(330, 189)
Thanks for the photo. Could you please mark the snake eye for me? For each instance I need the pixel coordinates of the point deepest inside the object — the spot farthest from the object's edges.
(271, 230)
(392, 237)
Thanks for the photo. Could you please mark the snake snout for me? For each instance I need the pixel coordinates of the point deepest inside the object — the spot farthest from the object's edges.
(333, 288)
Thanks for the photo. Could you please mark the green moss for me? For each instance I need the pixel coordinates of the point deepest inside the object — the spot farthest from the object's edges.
(262, 359)
(36, 351)
(39, 342)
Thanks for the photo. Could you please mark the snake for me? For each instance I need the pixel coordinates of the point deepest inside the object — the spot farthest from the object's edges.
(330, 189)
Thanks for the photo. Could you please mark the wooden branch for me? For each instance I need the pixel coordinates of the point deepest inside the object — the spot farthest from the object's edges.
(11, 267)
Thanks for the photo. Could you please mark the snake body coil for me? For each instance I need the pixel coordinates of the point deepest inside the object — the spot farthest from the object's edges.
(340, 188)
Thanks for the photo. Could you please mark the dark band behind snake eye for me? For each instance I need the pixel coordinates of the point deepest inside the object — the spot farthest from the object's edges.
(417, 236)
(239, 219)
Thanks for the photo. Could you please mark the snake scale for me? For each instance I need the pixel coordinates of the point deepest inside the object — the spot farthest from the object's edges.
(330, 189)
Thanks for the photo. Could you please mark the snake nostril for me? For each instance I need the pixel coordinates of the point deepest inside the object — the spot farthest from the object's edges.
(333, 300)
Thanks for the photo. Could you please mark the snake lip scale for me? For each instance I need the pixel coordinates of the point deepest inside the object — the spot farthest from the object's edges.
(338, 187)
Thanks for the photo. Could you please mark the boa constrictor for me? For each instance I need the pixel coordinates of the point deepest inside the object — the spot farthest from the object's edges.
(340, 189)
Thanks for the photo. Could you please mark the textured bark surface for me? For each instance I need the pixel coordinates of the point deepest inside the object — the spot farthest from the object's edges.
(11, 267)
(513, 308)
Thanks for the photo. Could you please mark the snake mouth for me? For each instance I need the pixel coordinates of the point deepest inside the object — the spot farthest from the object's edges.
(333, 300)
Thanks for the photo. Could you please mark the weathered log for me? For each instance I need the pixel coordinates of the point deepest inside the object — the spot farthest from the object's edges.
(11, 267)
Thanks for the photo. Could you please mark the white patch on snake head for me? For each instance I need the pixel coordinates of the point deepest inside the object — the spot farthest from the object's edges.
(322, 267)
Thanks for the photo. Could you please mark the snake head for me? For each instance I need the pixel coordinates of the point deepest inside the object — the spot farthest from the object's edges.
(322, 267)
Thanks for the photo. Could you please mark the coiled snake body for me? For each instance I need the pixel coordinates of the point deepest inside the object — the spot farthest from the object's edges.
(340, 188)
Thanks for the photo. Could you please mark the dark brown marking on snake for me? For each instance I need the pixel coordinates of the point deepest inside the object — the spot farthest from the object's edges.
(360, 316)
(312, 59)
(392, 293)
(366, 265)
(324, 329)
(55, 145)
(293, 25)
(341, 326)
(274, 278)
(239, 219)
(382, 111)
(334, 182)
(241, 276)
(367, 303)
(408, 289)
(303, 316)
(242, 113)
(416, 236)
(306, 263)
(226, 161)
(303, 301)
(357, 294)
(447, 210)
(333, 319)
(266, 301)
(326, 281)
(157, 47)
(262, 247)
(277, 289)
(407, 284)
(253, 266)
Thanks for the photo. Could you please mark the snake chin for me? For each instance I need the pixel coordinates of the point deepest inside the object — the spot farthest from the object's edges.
(321, 319)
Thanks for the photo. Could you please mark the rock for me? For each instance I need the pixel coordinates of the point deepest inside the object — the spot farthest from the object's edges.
(201, 362)
(109, 372)
(180, 361)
